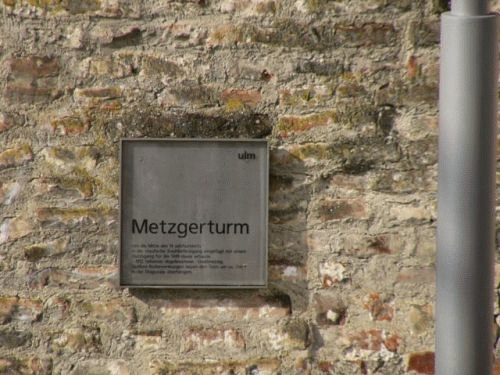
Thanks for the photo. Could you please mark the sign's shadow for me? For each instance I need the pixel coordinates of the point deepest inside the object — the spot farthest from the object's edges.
(287, 289)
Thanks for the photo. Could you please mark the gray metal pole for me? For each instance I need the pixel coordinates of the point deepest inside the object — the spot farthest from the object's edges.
(469, 7)
(466, 190)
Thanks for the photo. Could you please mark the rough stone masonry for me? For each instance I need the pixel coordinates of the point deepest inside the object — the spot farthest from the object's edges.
(346, 93)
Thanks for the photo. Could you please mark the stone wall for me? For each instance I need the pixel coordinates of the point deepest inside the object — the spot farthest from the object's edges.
(345, 91)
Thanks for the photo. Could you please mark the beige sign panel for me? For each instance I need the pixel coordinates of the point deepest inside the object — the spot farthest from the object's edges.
(193, 213)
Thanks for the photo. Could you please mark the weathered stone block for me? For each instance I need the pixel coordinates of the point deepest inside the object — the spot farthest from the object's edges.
(326, 367)
(422, 92)
(239, 99)
(384, 244)
(47, 276)
(57, 309)
(103, 367)
(159, 66)
(40, 365)
(99, 92)
(224, 35)
(349, 183)
(365, 343)
(295, 124)
(118, 65)
(335, 209)
(350, 90)
(362, 154)
(34, 253)
(112, 310)
(12, 366)
(27, 310)
(7, 308)
(331, 273)
(66, 186)
(422, 363)
(305, 97)
(6, 121)
(15, 228)
(10, 339)
(75, 279)
(9, 191)
(15, 156)
(380, 307)
(315, 151)
(320, 68)
(213, 339)
(67, 159)
(55, 6)
(397, 182)
(70, 125)
(424, 33)
(421, 317)
(402, 213)
(417, 276)
(365, 34)
(32, 80)
(189, 95)
(82, 6)
(30, 93)
(78, 214)
(149, 340)
(293, 336)
(79, 339)
(33, 66)
(249, 7)
(93, 277)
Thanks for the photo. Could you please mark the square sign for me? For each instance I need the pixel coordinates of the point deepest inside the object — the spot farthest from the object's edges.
(193, 213)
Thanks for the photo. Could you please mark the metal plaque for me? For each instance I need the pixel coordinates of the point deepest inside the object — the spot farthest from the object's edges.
(193, 213)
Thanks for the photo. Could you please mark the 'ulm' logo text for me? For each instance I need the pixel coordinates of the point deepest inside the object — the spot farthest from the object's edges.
(247, 156)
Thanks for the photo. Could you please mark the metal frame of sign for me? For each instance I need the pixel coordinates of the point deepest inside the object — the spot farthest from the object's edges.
(193, 213)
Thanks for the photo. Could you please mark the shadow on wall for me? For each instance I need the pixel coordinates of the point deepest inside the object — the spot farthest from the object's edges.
(287, 259)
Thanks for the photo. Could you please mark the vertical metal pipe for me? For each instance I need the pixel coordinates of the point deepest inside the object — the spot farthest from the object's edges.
(466, 190)
(469, 7)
